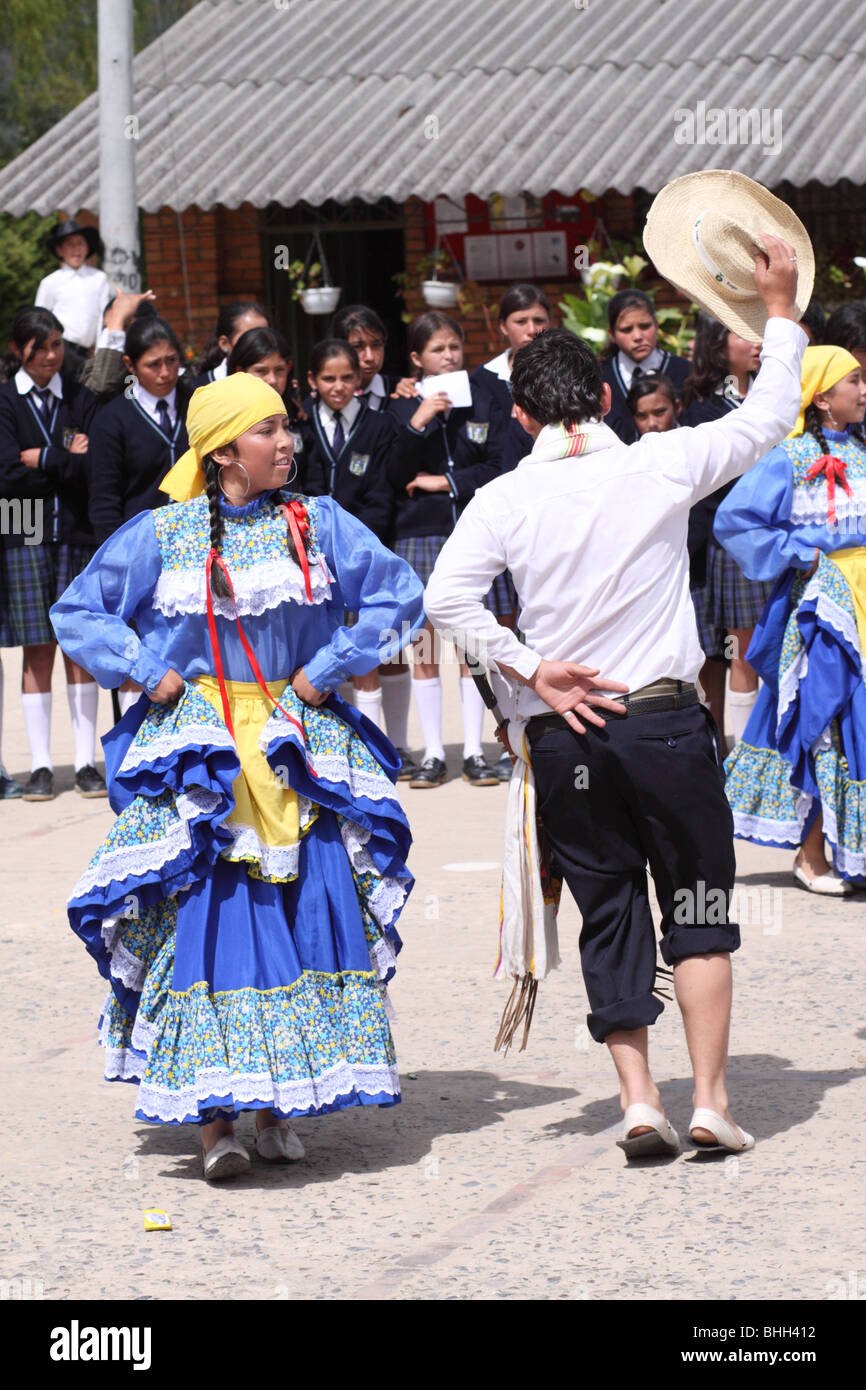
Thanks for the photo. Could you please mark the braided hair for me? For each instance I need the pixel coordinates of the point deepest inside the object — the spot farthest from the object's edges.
(813, 426)
(219, 583)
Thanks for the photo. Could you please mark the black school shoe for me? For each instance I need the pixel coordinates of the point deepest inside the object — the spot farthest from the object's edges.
(39, 786)
(9, 788)
(89, 783)
(408, 766)
(431, 773)
(478, 772)
(503, 766)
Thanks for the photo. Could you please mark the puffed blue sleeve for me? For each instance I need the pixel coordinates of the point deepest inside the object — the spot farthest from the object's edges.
(753, 525)
(92, 617)
(373, 582)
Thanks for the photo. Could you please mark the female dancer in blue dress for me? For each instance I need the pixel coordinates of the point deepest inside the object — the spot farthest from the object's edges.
(243, 906)
(799, 517)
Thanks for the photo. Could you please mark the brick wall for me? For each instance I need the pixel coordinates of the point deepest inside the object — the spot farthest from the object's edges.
(223, 261)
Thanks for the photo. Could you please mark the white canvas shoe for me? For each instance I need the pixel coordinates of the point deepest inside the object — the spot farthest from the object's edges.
(227, 1159)
(830, 883)
(726, 1136)
(279, 1144)
(661, 1137)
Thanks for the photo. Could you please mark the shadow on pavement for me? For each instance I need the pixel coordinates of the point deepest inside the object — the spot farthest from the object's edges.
(766, 1097)
(368, 1139)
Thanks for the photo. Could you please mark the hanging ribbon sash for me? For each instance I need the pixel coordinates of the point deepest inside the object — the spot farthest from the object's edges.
(834, 471)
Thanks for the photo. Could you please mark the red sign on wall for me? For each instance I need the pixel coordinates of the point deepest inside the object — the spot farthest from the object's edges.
(520, 238)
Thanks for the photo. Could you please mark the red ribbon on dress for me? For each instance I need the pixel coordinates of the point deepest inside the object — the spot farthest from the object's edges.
(214, 559)
(833, 469)
(299, 525)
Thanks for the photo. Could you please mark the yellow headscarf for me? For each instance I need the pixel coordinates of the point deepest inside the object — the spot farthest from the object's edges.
(822, 368)
(218, 413)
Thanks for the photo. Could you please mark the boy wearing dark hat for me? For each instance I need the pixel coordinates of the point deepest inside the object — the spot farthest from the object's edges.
(77, 292)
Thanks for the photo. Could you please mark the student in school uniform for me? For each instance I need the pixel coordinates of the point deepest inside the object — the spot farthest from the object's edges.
(45, 420)
(442, 453)
(77, 293)
(344, 449)
(728, 606)
(265, 353)
(345, 443)
(632, 350)
(363, 329)
(524, 312)
(233, 320)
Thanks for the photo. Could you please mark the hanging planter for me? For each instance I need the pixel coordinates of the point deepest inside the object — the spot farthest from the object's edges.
(441, 294)
(321, 299)
(312, 283)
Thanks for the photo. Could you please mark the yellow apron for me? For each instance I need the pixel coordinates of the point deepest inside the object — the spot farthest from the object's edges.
(852, 563)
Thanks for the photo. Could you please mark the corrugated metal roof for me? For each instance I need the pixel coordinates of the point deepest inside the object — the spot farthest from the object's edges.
(243, 100)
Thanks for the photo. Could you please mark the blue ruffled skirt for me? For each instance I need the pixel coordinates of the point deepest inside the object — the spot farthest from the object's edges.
(245, 974)
(804, 747)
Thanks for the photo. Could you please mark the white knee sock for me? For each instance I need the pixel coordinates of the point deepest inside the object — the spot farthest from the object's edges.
(369, 702)
(37, 721)
(83, 704)
(126, 698)
(428, 702)
(473, 717)
(396, 699)
(740, 704)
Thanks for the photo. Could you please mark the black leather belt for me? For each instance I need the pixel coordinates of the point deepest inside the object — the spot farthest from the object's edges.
(683, 697)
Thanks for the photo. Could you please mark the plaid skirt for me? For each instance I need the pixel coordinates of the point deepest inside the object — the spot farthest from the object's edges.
(422, 552)
(32, 578)
(727, 600)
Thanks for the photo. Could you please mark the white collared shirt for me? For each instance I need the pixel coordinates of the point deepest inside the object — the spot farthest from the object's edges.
(627, 365)
(24, 384)
(348, 415)
(78, 298)
(375, 394)
(220, 370)
(596, 544)
(500, 366)
(150, 403)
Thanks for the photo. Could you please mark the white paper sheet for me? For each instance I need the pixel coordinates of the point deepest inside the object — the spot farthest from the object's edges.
(454, 384)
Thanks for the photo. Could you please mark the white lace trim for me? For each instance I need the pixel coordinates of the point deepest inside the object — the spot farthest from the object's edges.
(122, 1065)
(118, 864)
(257, 587)
(334, 767)
(355, 838)
(787, 834)
(789, 683)
(809, 504)
(125, 967)
(390, 894)
(848, 861)
(166, 744)
(144, 1032)
(281, 861)
(383, 959)
(246, 1088)
(387, 901)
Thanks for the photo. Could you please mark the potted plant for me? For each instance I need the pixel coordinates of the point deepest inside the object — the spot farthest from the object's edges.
(311, 283)
(439, 294)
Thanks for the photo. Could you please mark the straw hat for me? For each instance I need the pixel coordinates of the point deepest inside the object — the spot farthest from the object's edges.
(701, 235)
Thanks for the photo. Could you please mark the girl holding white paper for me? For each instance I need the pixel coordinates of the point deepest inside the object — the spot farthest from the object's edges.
(444, 450)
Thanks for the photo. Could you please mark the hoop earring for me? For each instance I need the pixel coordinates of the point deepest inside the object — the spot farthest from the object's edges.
(235, 464)
(832, 420)
(293, 475)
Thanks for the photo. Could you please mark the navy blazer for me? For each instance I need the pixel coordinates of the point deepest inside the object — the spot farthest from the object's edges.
(517, 442)
(61, 478)
(128, 458)
(357, 477)
(468, 448)
(619, 417)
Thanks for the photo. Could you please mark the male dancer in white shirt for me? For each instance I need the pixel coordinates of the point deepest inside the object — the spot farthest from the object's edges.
(594, 534)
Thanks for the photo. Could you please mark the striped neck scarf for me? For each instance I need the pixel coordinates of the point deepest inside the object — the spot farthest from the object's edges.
(568, 441)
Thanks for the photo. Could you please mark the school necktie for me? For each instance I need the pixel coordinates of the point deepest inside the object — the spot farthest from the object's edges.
(339, 437)
(164, 418)
(44, 405)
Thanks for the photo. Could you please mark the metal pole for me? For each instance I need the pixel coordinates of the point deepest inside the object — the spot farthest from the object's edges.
(118, 133)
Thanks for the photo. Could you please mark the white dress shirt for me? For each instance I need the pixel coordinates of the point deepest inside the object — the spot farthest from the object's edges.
(78, 298)
(150, 403)
(376, 393)
(651, 363)
(348, 415)
(596, 544)
(500, 366)
(24, 383)
(221, 370)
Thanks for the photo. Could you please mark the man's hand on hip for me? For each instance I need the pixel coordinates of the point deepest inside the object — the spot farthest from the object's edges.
(573, 690)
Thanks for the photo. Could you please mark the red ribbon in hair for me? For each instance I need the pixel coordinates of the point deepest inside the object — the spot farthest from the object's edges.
(834, 471)
(214, 559)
